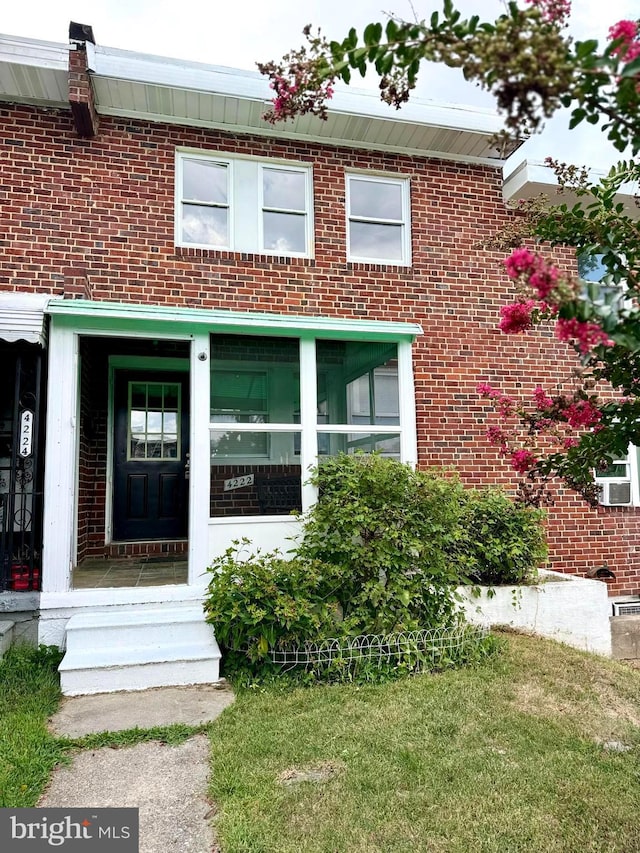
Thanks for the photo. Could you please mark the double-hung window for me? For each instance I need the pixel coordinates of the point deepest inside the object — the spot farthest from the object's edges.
(244, 204)
(378, 219)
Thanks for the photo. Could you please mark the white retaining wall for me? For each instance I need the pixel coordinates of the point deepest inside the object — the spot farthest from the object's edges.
(573, 610)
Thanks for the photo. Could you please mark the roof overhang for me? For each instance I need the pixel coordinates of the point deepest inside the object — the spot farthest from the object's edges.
(182, 322)
(22, 317)
(532, 179)
(142, 86)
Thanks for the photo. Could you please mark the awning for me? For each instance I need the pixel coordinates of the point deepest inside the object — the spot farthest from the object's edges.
(22, 317)
(132, 317)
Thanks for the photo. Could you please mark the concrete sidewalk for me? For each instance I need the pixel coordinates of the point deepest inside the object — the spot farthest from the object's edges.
(167, 783)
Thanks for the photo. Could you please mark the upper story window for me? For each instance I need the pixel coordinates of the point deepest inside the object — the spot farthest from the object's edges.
(378, 220)
(244, 204)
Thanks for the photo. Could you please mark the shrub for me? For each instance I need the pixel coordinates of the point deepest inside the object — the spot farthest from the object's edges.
(387, 530)
(381, 552)
(261, 601)
(502, 542)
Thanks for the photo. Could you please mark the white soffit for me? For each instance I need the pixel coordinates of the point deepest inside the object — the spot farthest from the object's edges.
(34, 72)
(153, 88)
(22, 317)
(161, 89)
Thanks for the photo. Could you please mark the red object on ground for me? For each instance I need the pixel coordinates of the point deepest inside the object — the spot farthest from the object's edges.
(20, 580)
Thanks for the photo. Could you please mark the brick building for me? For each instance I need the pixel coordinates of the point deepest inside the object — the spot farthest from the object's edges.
(194, 305)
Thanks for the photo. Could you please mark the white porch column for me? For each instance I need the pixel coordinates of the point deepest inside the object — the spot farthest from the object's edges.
(407, 395)
(59, 515)
(200, 460)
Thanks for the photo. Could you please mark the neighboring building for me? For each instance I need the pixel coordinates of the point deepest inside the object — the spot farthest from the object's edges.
(195, 304)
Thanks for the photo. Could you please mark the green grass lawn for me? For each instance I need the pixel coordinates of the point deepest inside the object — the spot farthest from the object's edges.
(508, 756)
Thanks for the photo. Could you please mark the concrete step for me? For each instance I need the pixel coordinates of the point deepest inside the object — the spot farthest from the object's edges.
(6, 635)
(134, 649)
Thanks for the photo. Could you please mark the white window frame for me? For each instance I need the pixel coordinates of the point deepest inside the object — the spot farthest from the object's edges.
(632, 477)
(245, 194)
(404, 222)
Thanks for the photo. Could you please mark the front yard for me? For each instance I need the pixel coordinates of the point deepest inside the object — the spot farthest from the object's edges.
(535, 750)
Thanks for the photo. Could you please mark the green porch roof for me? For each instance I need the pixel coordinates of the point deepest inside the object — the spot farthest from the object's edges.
(166, 320)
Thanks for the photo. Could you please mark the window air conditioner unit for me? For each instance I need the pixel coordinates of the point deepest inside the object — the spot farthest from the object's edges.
(626, 608)
(615, 494)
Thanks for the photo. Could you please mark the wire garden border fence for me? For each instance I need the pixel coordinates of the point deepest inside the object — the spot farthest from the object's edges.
(417, 651)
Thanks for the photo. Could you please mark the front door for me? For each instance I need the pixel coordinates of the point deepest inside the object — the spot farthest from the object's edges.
(151, 443)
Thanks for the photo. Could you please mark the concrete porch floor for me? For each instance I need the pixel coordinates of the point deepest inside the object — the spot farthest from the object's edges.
(101, 573)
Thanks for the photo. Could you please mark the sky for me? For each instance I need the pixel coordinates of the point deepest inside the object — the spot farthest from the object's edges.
(239, 33)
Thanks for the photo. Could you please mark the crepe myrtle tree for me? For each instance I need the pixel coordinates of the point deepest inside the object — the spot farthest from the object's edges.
(532, 67)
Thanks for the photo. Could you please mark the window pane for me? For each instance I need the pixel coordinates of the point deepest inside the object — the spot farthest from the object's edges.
(204, 181)
(138, 396)
(375, 241)
(154, 422)
(284, 189)
(254, 379)
(284, 232)
(228, 444)
(375, 199)
(208, 226)
(348, 373)
(237, 394)
(331, 444)
(238, 489)
(170, 423)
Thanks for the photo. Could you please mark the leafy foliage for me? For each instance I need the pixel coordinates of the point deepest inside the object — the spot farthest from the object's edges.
(532, 67)
(381, 551)
(503, 541)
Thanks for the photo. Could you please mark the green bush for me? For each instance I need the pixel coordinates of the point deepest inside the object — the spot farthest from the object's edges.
(387, 530)
(382, 551)
(261, 601)
(502, 542)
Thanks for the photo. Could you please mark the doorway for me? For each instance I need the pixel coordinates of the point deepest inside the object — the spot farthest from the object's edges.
(150, 455)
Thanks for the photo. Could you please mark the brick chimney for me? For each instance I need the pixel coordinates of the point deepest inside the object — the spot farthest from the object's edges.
(81, 97)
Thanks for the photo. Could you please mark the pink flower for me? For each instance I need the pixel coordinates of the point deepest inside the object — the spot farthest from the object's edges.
(629, 48)
(516, 317)
(585, 335)
(582, 414)
(497, 436)
(542, 399)
(540, 275)
(626, 30)
(519, 261)
(522, 461)
(486, 390)
(570, 442)
(553, 11)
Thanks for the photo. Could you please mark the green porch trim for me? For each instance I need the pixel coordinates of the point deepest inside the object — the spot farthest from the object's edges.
(168, 321)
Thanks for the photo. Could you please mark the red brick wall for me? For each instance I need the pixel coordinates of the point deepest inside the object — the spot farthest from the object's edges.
(102, 212)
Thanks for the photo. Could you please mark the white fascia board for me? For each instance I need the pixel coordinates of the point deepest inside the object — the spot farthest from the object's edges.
(86, 313)
(250, 85)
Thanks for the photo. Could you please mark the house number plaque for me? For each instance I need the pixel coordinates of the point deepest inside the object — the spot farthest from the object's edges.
(238, 482)
(26, 434)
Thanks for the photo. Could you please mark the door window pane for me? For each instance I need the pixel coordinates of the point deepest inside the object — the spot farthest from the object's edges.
(154, 423)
